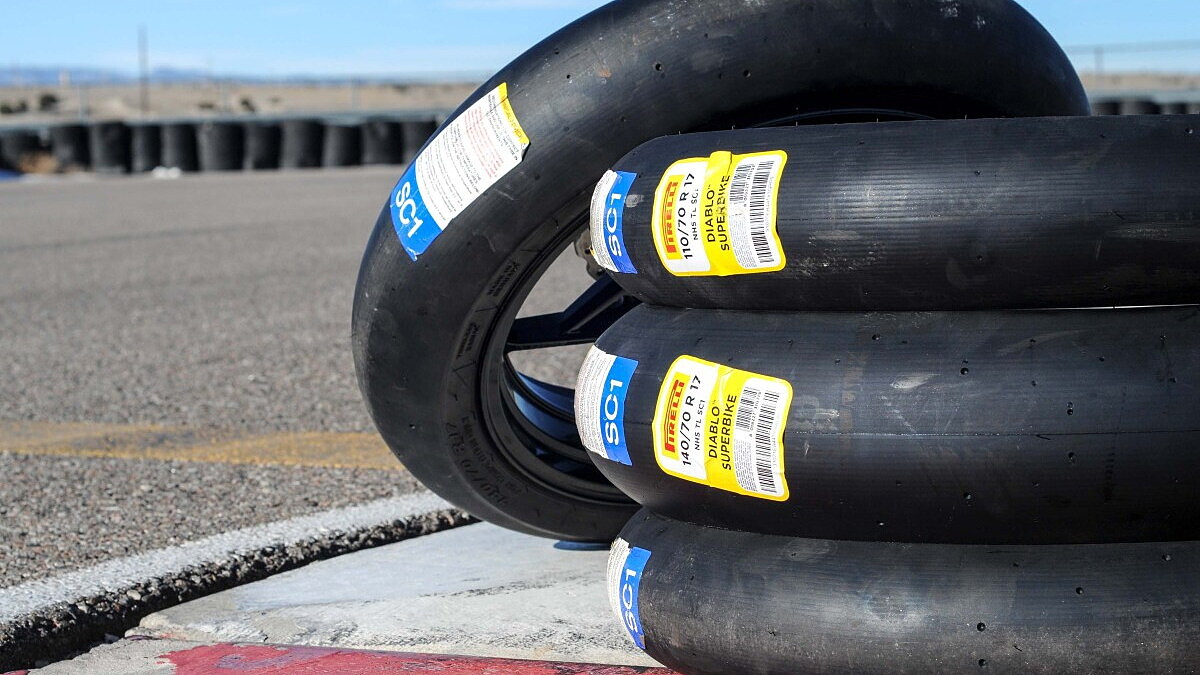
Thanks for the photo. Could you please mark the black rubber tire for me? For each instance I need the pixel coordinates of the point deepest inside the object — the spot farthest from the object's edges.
(940, 215)
(302, 144)
(109, 147)
(343, 145)
(958, 427)
(1139, 106)
(415, 133)
(1106, 107)
(263, 145)
(429, 335)
(221, 145)
(147, 147)
(69, 142)
(383, 142)
(1176, 108)
(17, 146)
(714, 602)
(179, 146)
(1194, 108)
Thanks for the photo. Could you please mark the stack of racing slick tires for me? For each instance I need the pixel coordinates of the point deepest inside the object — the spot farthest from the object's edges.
(840, 251)
(868, 432)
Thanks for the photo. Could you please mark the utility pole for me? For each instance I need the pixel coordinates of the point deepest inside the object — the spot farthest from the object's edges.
(144, 72)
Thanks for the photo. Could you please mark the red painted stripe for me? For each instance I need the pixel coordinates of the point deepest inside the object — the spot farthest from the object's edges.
(227, 658)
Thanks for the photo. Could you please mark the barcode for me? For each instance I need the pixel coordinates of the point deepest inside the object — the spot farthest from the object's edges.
(745, 410)
(764, 443)
(739, 183)
(751, 186)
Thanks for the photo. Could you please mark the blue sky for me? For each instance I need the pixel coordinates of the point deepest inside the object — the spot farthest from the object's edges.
(398, 37)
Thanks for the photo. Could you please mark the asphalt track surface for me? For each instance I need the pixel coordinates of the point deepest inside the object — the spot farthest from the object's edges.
(175, 364)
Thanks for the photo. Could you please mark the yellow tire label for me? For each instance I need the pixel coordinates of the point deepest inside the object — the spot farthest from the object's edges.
(716, 216)
(723, 427)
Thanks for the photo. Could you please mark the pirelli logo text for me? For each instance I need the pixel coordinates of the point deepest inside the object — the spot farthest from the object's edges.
(670, 429)
(670, 202)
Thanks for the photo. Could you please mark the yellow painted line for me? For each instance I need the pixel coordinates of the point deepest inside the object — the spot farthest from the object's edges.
(81, 439)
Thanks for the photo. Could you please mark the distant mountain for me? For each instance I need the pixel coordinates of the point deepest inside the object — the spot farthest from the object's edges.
(47, 76)
(41, 76)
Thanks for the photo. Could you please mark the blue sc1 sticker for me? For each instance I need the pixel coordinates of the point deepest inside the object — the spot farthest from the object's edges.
(600, 396)
(608, 221)
(612, 409)
(415, 226)
(626, 566)
(468, 156)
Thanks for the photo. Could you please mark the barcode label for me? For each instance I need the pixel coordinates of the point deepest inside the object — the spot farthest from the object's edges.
(752, 193)
(722, 427)
(765, 455)
(746, 407)
(759, 453)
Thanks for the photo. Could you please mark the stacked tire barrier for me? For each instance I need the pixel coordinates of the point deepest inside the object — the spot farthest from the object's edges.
(383, 142)
(109, 145)
(16, 146)
(179, 148)
(147, 147)
(832, 363)
(263, 141)
(69, 142)
(217, 145)
(414, 135)
(303, 141)
(221, 146)
(343, 145)
(1140, 105)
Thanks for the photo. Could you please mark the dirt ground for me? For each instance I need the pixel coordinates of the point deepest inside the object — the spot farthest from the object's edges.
(219, 98)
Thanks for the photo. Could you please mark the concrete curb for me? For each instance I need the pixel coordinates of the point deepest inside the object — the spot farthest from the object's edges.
(49, 619)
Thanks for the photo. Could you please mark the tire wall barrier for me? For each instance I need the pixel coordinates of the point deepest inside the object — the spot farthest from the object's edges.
(383, 142)
(1144, 106)
(714, 602)
(343, 145)
(415, 135)
(1138, 106)
(16, 145)
(69, 143)
(303, 141)
(109, 143)
(179, 146)
(262, 145)
(147, 147)
(221, 146)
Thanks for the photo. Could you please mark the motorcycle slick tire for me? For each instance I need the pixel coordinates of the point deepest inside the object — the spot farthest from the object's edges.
(434, 307)
(931, 215)
(1049, 427)
(706, 601)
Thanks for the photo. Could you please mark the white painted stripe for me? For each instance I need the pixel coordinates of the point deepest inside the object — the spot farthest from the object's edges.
(114, 575)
